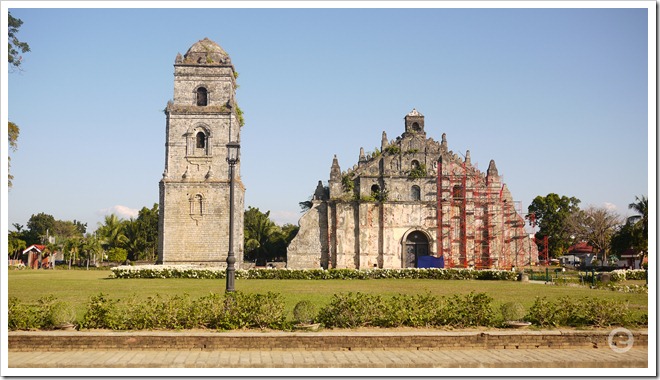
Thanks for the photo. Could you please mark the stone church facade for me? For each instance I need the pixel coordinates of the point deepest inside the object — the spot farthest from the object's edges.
(194, 190)
(413, 204)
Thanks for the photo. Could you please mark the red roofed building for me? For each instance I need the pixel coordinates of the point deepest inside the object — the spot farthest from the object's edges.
(579, 253)
(37, 256)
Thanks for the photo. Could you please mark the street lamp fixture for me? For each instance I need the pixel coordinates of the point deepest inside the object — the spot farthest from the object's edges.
(233, 151)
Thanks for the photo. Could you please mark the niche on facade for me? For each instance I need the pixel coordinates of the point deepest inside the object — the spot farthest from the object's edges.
(197, 205)
(415, 193)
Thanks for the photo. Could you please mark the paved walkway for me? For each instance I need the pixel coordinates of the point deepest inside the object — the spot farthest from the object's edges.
(508, 358)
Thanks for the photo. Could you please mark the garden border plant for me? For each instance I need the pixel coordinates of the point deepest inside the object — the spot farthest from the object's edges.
(189, 271)
(237, 310)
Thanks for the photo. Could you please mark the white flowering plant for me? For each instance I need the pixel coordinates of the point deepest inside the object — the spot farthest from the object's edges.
(192, 271)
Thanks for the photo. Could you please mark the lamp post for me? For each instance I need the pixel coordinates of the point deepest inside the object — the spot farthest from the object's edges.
(529, 243)
(233, 149)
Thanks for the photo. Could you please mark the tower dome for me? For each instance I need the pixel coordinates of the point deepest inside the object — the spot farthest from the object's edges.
(206, 52)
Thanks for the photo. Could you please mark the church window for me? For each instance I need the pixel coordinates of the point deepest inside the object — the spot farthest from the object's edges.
(415, 127)
(415, 193)
(375, 189)
(202, 97)
(200, 140)
(414, 164)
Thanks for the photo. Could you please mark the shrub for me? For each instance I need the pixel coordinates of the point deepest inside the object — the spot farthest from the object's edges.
(304, 312)
(543, 313)
(46, 314)
(61, 313)
(513, 311)
(21, 316)
(471, 310)
(101, 313)
(595, 312)
(351, 310)
(413, 311)
(253, 310)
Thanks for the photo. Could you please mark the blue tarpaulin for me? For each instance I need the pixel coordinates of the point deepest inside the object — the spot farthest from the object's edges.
(430, 262)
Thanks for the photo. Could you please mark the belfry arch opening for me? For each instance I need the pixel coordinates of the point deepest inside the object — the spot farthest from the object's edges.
(202, 97)
(200, 140)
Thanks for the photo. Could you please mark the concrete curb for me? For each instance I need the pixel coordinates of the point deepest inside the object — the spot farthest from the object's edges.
(347, 340)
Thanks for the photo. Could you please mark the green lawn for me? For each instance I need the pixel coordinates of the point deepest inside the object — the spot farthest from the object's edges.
(77, 286)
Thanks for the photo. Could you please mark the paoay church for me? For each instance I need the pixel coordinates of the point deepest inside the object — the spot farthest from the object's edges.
(413, 204)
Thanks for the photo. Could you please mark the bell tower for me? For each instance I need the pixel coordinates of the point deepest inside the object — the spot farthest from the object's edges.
(193, 225)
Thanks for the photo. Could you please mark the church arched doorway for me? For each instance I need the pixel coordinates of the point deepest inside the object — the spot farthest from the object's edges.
(417, 244)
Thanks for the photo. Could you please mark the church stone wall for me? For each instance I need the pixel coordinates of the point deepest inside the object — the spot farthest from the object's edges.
(414, 198)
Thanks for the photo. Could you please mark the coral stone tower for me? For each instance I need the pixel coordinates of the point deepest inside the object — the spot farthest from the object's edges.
(193, 226)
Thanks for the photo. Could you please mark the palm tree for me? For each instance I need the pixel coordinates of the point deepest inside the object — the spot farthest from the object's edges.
(640, 225)
(259, 233)
(71, 248)
(111, 233)
(92, 247)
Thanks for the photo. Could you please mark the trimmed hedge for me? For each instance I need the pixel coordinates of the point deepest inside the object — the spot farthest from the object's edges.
(237, 310)
(569, 311)
(181, 271)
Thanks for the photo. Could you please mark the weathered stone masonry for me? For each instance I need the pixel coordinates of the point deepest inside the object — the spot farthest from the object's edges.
(413, 200)
(194, 191)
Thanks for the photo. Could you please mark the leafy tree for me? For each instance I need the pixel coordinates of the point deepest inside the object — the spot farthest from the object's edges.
(623, 239)
(596, 226)
(142, 235)
(289, 231)
(66, 229)
(12, 132)
(39, 226)
(550, 214)
(117, 255)
(15, 45)
(147, 221)
(634, 234)
(264, 240)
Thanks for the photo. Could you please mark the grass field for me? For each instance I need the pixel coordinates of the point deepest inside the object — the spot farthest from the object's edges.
(77, 286)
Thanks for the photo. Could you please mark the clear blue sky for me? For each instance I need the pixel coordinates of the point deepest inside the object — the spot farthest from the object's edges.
(557, 97)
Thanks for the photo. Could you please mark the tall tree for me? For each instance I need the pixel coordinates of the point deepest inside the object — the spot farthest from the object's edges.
(640, 226)
(91, 248)
(596, 226)
(259, 230)
(147, 221)
(15, 244)
(15, 47)
(40, 226)
(550, 214)
(13, 132)
(111, 233)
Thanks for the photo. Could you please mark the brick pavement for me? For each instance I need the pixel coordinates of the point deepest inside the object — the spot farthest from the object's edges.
(384, 349)
(502, 358)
